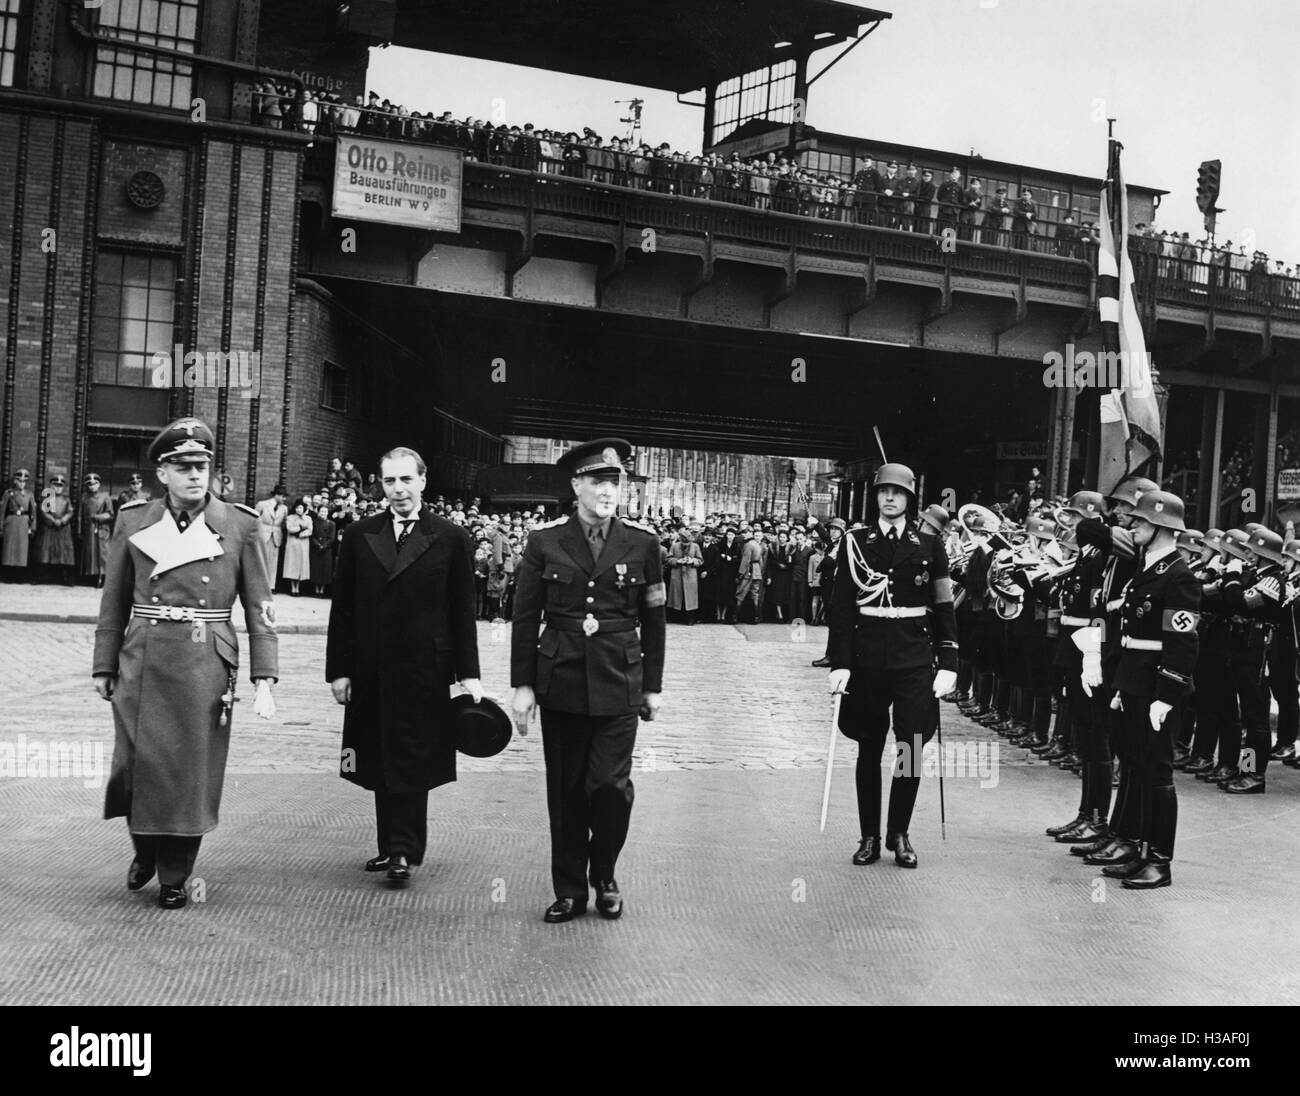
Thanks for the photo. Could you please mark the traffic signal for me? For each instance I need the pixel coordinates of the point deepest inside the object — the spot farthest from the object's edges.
(1207, 185)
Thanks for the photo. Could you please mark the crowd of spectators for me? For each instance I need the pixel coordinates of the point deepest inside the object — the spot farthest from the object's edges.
(701, 559)
(890, 195)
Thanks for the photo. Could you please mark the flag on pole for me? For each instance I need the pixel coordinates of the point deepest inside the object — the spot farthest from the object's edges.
(1130, 415)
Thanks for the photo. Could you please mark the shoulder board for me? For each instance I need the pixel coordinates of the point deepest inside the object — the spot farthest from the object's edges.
(134, 502)
(638, 525)
(551, 524)
(241, 506)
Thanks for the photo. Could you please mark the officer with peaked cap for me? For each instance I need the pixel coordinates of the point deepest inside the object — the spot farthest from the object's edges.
(1153, 676)
(891, 622)
(167, 657)
(593, 578)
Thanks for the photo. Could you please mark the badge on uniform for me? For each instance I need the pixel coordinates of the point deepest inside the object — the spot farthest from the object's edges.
(620, 570)
(590, 626)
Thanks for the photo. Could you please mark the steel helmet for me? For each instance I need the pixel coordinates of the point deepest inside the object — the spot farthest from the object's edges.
(897, 475)
(936, 518)
(1267, 544)
(1130, 489)
(1087, 504)
(1236, 542)
(1160, 508)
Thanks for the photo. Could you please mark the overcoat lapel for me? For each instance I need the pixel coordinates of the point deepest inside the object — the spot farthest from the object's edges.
(383, 543)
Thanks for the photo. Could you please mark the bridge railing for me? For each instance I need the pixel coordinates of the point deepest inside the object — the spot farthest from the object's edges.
(980, 250)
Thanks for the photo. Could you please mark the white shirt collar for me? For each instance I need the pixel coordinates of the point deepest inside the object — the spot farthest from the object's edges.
(1151, 558)
(898, 525)
(398, 520)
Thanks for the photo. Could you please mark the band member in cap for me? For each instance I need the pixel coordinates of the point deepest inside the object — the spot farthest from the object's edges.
(891, 621)
(595, 577)
(950, 200)
(167, 656)
(1153, 678)
(17, 524)
(401, 631)
(96, 528)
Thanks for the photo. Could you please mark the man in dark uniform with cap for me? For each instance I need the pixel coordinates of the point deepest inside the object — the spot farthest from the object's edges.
(891, 621)
(167, 657)
(950, 201)
(595, 577)
(1157, 630)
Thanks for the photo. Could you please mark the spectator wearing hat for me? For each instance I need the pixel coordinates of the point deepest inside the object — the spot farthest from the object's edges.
(96, 527)
(54, 550)
(866, 192)
(271, 515)
(909, 186)
(890, 202)
(167, 655)
(684, 561)
(17, 524)
(297, 546)
(800, 592)
(972, 212)
(321, 550)
(720, 573)
(923, 207)
(830, 539)
(750, 578)
(997, 219)
(950, 198)
(1023, 221)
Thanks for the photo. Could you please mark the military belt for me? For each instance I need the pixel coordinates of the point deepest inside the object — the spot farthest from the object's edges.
(579, 624)
(1135, 644)
(178, 612)
(891, 612)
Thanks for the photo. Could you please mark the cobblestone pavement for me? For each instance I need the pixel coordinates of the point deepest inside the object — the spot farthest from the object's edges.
(732, 893)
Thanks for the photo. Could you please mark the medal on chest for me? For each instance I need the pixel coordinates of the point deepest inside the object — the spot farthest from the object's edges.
(620, 573)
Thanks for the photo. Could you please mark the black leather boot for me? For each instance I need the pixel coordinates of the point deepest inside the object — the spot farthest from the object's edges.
(1094, 827)
(1123, 869)
(1154, 872)
(1119, 850)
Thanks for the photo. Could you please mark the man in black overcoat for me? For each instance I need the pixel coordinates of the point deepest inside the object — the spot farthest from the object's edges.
(401, 631)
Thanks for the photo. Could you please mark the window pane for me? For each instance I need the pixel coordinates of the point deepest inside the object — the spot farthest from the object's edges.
(167, 21)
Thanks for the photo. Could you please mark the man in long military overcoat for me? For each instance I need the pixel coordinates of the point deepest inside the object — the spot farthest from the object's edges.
(401, 631)
(596, 577)
(167, 657)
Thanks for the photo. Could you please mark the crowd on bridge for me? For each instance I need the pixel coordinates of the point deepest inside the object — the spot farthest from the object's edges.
(894, 195)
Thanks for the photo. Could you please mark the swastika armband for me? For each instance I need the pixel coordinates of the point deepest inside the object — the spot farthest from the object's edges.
(942, 590)
(1180, 620)
(655, 595)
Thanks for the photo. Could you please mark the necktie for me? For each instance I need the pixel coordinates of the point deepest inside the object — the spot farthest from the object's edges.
(596, 541)
(405, 533)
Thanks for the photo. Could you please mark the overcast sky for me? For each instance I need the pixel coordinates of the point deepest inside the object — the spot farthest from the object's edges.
(1018, 80)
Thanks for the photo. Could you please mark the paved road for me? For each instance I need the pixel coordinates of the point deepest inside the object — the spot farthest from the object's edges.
(732, 894)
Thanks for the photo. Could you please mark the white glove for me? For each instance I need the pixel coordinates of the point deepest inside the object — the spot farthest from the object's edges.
(263, 701)
(1116, 704)
(1091, 677)
(268, 614)
(944, 682)
(838, 680)
(473, 686)
(1234, 567)
(1159, 709)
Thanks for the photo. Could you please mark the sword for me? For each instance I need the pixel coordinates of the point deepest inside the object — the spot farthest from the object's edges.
(830, 758)
(938, 730)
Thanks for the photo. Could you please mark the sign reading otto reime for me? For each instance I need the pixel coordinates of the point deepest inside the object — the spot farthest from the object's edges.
(417, 186)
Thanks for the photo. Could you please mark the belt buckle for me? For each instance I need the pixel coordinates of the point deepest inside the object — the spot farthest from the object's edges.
(590, 626)
(175, 612)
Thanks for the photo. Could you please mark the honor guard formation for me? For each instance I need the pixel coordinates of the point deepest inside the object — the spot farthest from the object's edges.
(1117, 644)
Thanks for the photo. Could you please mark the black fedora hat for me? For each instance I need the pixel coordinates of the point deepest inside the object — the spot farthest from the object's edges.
(482, 729)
